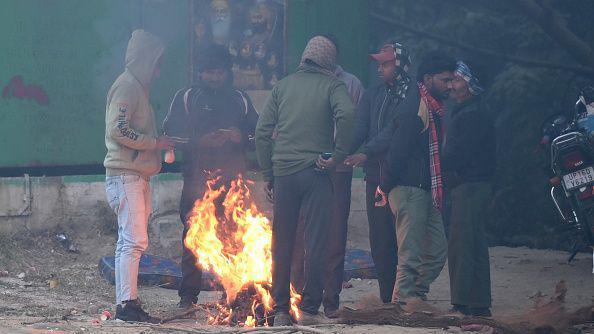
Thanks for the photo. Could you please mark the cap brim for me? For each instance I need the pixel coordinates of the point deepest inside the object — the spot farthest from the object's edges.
(382, 57)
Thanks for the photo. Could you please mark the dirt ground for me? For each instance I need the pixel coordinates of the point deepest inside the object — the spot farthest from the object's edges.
(46, 289)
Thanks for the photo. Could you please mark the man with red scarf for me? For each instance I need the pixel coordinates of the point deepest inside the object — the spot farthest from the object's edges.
(413, 184)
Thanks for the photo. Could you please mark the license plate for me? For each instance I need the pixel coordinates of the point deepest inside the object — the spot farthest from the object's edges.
(579, 178)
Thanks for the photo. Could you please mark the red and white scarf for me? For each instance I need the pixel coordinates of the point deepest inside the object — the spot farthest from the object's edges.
(436, 109)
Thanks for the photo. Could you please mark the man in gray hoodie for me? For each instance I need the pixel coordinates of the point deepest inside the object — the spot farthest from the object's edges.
(133, 156)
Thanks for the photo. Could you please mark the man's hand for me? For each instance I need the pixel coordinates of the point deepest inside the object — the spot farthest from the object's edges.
(380, 197)
(269, 189)
(355, 160)
(325, 164)
(213, 140)
(165, 143)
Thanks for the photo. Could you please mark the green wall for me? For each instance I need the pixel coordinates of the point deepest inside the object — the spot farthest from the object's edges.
(68, 53)
(346, 19)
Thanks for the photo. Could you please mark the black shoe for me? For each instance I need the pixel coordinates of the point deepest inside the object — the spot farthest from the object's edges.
(461, 309)
(132, 311)
(187, 302)
(282, 319)
(480, 312)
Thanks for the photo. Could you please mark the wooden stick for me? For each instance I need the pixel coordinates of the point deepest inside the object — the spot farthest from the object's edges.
(292, 329)
(179, 315)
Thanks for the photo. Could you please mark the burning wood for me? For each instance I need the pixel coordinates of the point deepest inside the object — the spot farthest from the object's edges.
(230, 236)
(247, 310)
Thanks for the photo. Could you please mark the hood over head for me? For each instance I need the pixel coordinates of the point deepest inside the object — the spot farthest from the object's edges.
(144, 49)
(322, 52)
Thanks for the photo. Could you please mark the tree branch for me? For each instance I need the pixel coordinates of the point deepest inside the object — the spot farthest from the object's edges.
(555, 27)
(583, 70)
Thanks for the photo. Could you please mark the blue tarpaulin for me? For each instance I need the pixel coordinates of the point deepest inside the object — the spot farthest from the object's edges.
(166, 273)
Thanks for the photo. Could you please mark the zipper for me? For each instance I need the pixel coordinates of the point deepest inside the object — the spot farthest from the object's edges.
(421, 175)
(379, 118)
(423, 171)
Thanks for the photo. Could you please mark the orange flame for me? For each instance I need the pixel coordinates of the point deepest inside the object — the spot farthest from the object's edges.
(231, 237)
(295, 301)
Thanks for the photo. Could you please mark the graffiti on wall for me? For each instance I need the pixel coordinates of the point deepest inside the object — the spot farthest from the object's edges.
(16, 88)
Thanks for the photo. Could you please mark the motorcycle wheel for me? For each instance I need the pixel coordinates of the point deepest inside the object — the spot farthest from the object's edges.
(584, 223)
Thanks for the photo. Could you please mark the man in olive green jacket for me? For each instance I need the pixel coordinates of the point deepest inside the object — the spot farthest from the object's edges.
(304, 108)
(133, 156)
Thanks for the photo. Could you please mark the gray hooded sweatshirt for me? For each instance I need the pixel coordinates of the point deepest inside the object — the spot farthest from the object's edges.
(130, 129)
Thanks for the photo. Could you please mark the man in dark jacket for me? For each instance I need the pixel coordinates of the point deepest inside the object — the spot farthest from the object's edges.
(468, 164)
(375, 115)
(312, 114)
(413, 180)
(216, 124)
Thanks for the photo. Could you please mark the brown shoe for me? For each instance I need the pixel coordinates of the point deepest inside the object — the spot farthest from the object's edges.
(308, 319)
(332, 314)
(417, 305)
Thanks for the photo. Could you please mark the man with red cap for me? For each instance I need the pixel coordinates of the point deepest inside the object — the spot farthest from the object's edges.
(373, 132)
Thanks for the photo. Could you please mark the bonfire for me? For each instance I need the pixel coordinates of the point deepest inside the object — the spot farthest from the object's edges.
(231, 237)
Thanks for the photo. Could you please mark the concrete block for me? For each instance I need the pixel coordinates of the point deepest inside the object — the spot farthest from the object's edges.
(79, 203)
(15, 196)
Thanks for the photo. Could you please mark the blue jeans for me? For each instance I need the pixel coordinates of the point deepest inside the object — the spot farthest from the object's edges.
(130, 198)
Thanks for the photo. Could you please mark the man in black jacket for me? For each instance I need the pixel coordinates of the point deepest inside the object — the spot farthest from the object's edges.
(216, 123)
(468, 164)
(413, 180)
(373, 132)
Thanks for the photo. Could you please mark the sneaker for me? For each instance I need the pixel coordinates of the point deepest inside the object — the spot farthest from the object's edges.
(480, 312)
(308, 319)
(132, 311)
(282, 319)
(187, 302)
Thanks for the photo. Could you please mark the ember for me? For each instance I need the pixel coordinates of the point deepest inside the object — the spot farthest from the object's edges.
(231, 237)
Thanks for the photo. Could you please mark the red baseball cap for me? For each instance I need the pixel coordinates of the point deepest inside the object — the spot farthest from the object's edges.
(386, 54)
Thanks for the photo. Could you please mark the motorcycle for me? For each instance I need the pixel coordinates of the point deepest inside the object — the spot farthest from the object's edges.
(571, 142)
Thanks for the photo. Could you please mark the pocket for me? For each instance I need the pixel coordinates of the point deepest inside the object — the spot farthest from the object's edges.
(130, 178)
(113, 195)
(396, 198)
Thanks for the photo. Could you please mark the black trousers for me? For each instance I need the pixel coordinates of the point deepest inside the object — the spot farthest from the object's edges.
(468, 249)
(191, 283)
(310, 193)
(335, 245)
(382, 239)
